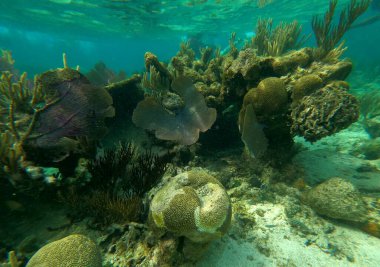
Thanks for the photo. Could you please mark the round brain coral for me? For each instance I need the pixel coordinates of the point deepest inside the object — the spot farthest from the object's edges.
(193, 204)
(306, 85)
(73, 250)
(269, 98)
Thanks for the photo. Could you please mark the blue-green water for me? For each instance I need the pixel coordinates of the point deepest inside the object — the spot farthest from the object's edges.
(267, 159)
(120, 32)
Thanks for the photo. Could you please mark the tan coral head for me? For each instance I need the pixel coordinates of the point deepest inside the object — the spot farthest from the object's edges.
(193, 204)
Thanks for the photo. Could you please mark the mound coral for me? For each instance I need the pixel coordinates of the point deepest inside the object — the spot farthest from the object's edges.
(182, 126)
(337, 198)
(193, 204)
(306, 85)
(325, 112)
(73, 250)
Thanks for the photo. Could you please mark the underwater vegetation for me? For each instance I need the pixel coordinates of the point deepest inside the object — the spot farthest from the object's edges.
(120, 177)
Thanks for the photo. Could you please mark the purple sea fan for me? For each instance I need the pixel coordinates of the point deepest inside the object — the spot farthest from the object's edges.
(183, 126)
(72, 108)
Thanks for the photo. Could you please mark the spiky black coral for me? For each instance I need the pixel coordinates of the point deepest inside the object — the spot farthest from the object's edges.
(120, 178)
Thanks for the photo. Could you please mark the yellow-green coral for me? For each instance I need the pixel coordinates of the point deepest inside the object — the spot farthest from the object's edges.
(306, 85)
(74, 251)
(193, 204)
(268, 98)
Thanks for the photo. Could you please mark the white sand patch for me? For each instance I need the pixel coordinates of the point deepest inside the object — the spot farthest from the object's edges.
(273, 242)
(335, 156)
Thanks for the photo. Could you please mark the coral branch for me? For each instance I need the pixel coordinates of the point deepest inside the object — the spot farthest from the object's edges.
(329, 35)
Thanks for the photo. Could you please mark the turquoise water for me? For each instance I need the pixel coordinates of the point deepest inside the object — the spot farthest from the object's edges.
(119, 32)
(232, 158)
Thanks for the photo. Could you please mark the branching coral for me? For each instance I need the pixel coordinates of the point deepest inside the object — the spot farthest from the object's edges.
(263, 3)
(6, 61)
(276, 41)
(329, 35)
(16, 118)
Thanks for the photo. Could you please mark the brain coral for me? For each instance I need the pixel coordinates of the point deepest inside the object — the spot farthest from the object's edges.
(193, 204)
(73, 250)
(337, 198)
(325, 112)
(306, 85)
(270, 96)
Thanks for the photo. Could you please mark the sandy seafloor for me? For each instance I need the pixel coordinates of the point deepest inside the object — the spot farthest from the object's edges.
(268, 236)
(270, 225)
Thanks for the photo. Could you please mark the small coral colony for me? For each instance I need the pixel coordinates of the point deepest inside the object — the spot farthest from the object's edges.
(254, 97)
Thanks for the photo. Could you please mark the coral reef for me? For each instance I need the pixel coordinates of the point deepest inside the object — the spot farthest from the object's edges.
(289, 93)
(73, 250)
(193, 204)
(337, 198)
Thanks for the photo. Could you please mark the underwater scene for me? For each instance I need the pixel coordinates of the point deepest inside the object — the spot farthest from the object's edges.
(189, 133)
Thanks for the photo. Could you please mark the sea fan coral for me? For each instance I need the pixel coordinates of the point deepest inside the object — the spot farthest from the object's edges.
(182, 126)
(72, 108)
